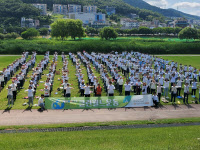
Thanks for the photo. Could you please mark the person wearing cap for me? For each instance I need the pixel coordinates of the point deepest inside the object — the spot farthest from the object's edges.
(10, 96)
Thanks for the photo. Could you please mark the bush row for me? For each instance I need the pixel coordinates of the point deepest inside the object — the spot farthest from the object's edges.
(43, 45)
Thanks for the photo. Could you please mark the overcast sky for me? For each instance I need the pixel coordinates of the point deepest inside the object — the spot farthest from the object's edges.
(187, 6)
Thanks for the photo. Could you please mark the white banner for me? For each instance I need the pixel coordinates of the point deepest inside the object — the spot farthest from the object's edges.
(140, 101)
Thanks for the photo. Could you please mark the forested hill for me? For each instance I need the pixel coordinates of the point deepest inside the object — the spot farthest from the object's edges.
(122, 8)
(166, 12)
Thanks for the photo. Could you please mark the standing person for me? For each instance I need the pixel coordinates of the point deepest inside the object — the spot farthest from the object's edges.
(111, 88)
(1, 80)
(10, 96)
(41, 102)
(166, 88)
(138, 88)
(179, 86)
(82, 85)
(14, 89)
(173, 93)
(30, 95)
(153, 86)
(159, 91)
(144, 89)
(194, 87)
(87, 90)
(68, 91)
(155, 99)
(186, 92)
(127, 88)
(98, 90)
(120, 82)
(46, 92)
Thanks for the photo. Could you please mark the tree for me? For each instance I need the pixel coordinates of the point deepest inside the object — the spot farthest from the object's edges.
(177, 30)
(59, 29)
(64, 28)
(144, 30)
(75, 28)
(188, 33)
(43, 31)
(30, 33)
(108, 33)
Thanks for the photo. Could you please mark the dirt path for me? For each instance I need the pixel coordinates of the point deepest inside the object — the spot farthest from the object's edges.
(27, 117)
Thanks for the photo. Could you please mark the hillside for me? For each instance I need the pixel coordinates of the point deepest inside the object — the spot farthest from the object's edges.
(165, 12)
(122, 8)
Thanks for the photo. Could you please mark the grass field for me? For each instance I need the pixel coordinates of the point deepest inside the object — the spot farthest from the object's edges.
(189, 60)
(6, 60)
(185, 60)
(173, 138)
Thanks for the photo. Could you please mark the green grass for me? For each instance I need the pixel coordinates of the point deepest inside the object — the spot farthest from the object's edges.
(185, 60)
(173, 138)
(92, 124)
(6, 60)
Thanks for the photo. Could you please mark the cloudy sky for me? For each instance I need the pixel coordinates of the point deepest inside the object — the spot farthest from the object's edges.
(187, 6)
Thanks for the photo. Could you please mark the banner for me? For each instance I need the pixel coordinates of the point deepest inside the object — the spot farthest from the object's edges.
(98, 102)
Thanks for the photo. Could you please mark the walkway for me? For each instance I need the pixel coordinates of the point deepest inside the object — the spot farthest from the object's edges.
(32, 117)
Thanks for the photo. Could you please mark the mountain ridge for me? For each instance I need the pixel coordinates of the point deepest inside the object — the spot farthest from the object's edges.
(170, 12)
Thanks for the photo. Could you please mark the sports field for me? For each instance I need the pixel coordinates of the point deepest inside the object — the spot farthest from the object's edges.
(173, 138)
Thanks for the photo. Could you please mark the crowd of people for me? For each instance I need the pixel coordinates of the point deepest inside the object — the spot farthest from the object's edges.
(144, 74)
(131, 73)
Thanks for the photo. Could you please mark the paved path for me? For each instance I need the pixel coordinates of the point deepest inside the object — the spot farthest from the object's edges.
(27, 117)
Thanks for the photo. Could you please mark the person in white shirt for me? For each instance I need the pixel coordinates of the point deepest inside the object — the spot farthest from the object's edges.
(127, 88)
(186, 92)
(87, 90)
(159, 91)
(155, 99)
(10, 96)
(166, 88)
(111, 88)
(41, 102)
(30, 95)
(120, 82)
(14, 89)
(194, 87)
(144, 89)
(153, 86)
(82, 85)
(46, 92)
(173, 93)
(179, 86)
(68, 91)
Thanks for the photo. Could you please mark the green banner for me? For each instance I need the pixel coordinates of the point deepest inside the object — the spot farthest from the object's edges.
(98, 102)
